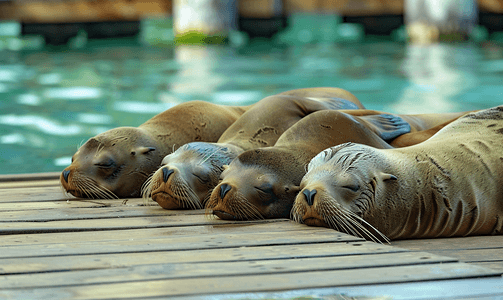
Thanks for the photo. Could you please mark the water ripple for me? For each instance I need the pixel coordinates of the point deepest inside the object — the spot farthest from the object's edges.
(43, 124)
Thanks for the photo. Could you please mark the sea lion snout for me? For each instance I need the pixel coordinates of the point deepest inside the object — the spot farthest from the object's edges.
(166, 172)
(66, 173)
(224, 189)
(309, 195)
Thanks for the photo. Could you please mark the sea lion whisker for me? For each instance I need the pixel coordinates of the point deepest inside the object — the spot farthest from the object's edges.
(206, 198)
(359, 229)
(186, 196)
(180, 194)
(349, 229)
(252, 209)
(82, 187)
(335, 213)
(360, 219)
(99, 191)
(332, 223)
(146, 189)
(295, 215)
(95, 191)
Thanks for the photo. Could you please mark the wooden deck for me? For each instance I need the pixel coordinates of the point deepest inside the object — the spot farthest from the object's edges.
(55, 248)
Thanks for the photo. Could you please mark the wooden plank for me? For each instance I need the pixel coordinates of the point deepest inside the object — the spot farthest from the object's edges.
(202, 270)
(122, 260)
(495, 265)
(102, 212)
(23, 184)
(152, 233)
(475, 242)
(254, 283)
(30, 177)
(75, 203)
(170, 243)
(474, 255)
(177, 219)
(31, 194)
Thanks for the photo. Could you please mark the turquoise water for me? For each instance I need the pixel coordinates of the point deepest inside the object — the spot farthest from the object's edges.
(54, 100)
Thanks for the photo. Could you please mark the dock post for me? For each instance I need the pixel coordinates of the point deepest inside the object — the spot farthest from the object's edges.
(204, 18)
(429, 21)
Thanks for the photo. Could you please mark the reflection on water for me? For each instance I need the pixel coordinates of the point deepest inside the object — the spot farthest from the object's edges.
(53, 101)
(437, 74)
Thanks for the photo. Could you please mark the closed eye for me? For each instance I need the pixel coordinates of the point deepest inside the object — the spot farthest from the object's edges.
(201, 179)
(352, 187)
(263, 193)
(105, 165)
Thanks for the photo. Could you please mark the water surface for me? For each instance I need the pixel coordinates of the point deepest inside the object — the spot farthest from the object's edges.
(52, 101)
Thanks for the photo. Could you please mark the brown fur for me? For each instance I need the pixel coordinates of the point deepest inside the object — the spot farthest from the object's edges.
(194, 169)
(269, 178)
(117, 162)
(449, 185)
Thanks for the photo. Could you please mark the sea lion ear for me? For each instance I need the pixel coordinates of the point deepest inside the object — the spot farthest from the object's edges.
(142, 150)
(385, 176)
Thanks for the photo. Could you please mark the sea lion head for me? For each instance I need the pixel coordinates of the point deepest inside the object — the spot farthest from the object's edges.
(258, 184)
(340, 189)
(188, 175)
(113, 164)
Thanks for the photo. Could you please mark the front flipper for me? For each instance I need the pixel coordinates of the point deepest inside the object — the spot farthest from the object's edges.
(417, 137)
(387, 126)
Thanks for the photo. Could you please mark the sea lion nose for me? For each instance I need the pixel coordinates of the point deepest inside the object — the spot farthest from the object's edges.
(65, 175)
(165, 174)
(224, 188)
(309, 195)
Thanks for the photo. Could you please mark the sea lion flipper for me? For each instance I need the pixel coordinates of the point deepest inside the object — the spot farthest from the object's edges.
(388, 126)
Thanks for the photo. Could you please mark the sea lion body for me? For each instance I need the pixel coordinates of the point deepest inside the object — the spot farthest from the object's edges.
(117, 162)
(449, 185)
(263, 183)
(188, 175)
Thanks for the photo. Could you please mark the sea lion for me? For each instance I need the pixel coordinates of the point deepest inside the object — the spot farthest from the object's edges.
(115, 164)
(188, 175)
(449, 185)
(263, 183)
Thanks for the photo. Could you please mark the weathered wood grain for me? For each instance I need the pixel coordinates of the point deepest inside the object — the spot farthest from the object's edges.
(123, 260)
(254, 283)
(59, 249)
(27, 184)
(220, 227)
(495, 265)
(30, 177)
(177, 243)
(473, 242)
(170, 271)
(174, 220)
(129, 210)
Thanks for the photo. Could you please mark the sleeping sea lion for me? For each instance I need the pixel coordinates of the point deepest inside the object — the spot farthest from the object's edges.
(263, 183)
(449, 185)
(115, 164)
(188, 175)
